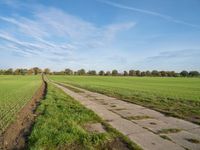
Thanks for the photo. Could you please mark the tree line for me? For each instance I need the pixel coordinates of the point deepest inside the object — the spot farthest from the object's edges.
(154, 73)
(22, 71)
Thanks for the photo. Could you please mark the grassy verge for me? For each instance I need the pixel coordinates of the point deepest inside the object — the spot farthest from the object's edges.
(61, 125)
(177, 97)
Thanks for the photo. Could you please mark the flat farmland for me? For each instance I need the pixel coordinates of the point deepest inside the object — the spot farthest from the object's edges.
(15, 92)
(178, 97)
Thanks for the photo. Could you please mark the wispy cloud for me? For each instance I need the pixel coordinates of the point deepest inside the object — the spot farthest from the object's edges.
(148, 12)
(55, 35)
(51, 36)
(176, 54)
(11, 3)
(172, 60)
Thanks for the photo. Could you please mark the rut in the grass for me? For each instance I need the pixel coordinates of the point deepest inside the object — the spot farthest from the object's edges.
(16, 135)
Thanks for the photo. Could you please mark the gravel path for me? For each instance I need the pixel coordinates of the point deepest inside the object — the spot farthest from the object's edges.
(149, 129)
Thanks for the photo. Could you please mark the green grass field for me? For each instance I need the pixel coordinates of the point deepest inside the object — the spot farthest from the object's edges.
(61, 125)
(15, 92)
(178, 97)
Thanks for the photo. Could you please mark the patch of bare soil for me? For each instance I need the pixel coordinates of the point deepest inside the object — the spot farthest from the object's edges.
(95, 127)
(118, 144)
(16, 135)
(115, 144)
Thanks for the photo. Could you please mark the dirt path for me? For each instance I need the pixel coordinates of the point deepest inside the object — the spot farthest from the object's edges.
(149, 129)
(15, 136)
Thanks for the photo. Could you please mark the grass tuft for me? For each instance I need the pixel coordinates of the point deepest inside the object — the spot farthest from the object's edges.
(193, 141)
(167, 131)
(138, 117)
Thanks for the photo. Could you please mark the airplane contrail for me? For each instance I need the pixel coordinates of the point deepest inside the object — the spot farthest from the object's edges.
(166, 17)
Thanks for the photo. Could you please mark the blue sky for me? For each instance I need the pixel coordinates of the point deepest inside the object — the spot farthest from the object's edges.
(100, 34)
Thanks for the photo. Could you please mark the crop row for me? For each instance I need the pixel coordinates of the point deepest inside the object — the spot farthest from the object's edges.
(15, 92)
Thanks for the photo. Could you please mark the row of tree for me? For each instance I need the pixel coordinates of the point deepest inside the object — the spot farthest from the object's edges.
(154, 73)
(22, 71)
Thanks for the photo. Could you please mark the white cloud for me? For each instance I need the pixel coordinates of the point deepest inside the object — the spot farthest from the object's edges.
(11, 3)
(172, 60)
(53, 34)
(176, 54)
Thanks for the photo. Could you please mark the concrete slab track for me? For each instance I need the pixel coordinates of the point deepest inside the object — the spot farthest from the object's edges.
(150, 129)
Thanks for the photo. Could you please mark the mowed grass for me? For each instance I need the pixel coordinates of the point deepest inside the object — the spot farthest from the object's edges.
(15, 92)
(178, 97)
(61, 125)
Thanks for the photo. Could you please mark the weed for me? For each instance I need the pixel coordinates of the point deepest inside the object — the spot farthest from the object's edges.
(193, 140)
(167, 131)
(138, 117)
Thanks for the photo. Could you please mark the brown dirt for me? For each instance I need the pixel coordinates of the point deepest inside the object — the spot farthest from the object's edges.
(115, 144)
(95, 127)
(16, 135)
(118, 144)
